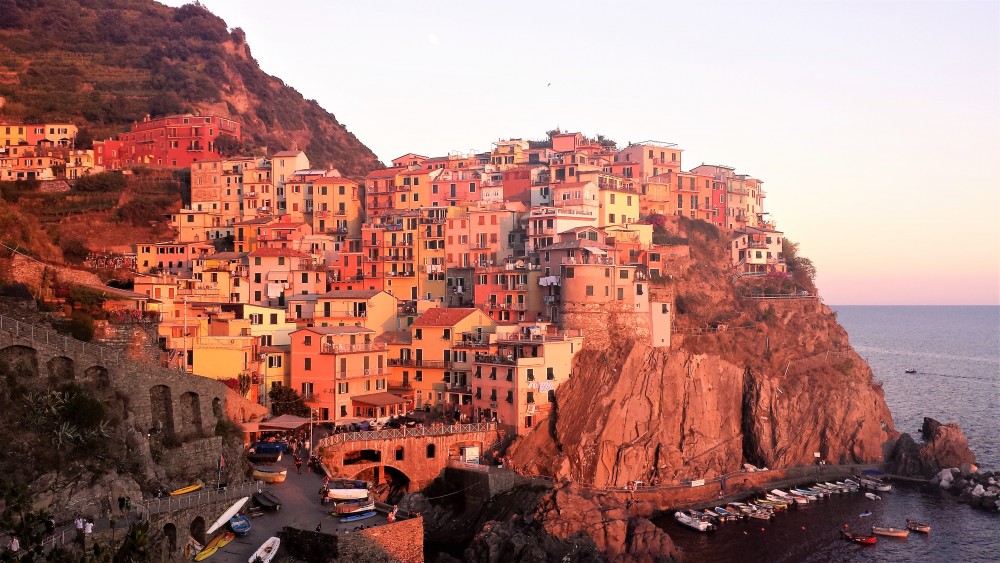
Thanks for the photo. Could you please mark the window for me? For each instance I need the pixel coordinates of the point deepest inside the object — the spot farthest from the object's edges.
(550, 374)
(531, 374)
(307, 340)
(569, 273)
(621, 293)
(274, 318)
(399, 453)
(623, 274)
(590, 291)
(343, 388)
(611, 218)
(431, 451)
(612, 199)
(418, 334)
(308, 364)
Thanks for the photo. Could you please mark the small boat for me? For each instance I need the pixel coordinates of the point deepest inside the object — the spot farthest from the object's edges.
(265, 553)
(214, 544)
(349, 484)
(356, 517)
(270, 474)
(918, 527)
(697, 524)
(227, 515)
(240, 524)
(347, 494)
(892, 532)
(762, 514)
(872, 496)
(352, 506)
(865, 514)
(911, 370)
(726, 514)
(185, 490)
(858, 538)
(267, 500)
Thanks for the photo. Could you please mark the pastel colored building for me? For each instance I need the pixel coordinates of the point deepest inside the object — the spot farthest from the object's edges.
(52, 134)
(284, 164)
(170, 257)
(757, 250)
(372, 309)
(650, 158)
(270, 272)
(434, 363)
(332, 365)
(518, 384)
(176, 140)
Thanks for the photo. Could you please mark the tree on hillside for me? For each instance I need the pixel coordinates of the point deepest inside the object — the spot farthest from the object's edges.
(285, 400)
(801, 268)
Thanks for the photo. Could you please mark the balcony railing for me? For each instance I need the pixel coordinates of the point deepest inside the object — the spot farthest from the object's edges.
(349, 348)
(418, 432)
(414, 363)
(592, 260)
(505, 306)
(500, 359)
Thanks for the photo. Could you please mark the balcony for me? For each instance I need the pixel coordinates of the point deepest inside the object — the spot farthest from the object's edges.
(514, 287)
(398, 258)
(481, 246)
(352, 348)
(498, 359)
(367, 372)
(505, 306)
(345, 314)
(414, 363)
(336, 230)
(590, 260)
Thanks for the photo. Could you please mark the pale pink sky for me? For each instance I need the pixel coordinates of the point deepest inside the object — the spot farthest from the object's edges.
(875, 125)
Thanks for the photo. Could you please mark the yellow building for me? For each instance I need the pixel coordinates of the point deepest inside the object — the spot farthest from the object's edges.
(435, 363)
(431, 280)
(13, 135)
(367, 308)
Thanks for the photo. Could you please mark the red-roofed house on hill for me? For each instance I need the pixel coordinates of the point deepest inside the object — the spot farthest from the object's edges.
(271, 273)
(174, 141)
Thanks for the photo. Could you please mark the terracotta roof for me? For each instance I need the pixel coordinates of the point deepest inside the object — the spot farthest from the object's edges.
(337, 330)
(257, 221)
(226, 256)
(395, 337)
(279, 252)
(288, 153)
(443, 317)
(276, 349)
(382, 399)
(351, 294)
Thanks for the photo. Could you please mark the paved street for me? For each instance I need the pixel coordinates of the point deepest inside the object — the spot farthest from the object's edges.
(300, 508)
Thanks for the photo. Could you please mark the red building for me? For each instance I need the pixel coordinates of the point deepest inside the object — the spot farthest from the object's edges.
(175, 141)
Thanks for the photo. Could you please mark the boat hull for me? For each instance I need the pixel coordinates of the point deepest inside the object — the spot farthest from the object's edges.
(217, 542)
(270, 476)
(228, 515)
(357, 517)
(266, 552)
(240, 525)
(890, 532)
(185, 490)
(918, 527)
(267, 500)
(347, 494)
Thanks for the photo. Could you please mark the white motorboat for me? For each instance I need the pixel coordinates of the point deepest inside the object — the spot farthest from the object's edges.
(700, 524)
(266, 552)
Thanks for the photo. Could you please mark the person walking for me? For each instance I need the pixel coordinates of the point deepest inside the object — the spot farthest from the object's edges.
(128, 505)
(121, 505)
(79, 523)
(319, 527)
(298, 465)
(14, 545)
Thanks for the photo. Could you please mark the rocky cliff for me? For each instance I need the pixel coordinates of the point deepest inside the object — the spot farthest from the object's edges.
(766, 382)
(944, 446)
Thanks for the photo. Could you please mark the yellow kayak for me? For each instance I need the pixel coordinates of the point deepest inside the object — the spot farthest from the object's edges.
(187, 489)
(214, 545)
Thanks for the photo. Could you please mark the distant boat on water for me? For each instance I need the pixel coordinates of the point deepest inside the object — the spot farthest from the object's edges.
(911, 370)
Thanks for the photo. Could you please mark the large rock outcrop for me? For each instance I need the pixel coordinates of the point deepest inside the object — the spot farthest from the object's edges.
(764, 381)
(944, 446)
(572, 524)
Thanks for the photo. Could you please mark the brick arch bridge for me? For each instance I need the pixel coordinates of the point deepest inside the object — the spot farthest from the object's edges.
(420, 454)
(149, 396)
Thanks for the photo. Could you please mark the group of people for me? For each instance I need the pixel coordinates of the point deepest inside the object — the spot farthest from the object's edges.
(124, 505)
(84, 527)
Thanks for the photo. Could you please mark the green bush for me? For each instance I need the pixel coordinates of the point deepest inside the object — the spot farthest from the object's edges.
(102, 182)
(81, 326)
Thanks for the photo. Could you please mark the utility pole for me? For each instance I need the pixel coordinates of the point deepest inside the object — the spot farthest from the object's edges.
(185, 335)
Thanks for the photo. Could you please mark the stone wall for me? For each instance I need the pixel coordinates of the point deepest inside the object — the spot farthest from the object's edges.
(606, 324)
(400, 542)
(29, 272)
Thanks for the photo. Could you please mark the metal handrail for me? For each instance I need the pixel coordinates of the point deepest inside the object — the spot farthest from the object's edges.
(389, 433)
(169, 504)
(52, 338)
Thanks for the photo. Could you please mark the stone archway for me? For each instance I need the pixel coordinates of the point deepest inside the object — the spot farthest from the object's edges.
(98, 375)
(197, 530)
(60, 369)
(22, 361)
(170, 533)
(161, 410)
(190, 414)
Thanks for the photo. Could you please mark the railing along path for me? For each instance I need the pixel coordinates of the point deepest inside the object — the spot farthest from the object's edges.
(390, 433)
(52, 338)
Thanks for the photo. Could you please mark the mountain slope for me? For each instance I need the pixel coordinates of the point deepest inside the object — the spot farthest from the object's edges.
(106, 63)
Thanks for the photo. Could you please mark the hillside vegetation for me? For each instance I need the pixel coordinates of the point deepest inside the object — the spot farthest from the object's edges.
(103, 64)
